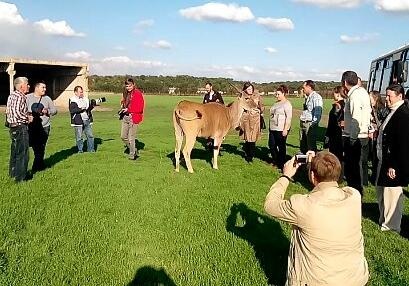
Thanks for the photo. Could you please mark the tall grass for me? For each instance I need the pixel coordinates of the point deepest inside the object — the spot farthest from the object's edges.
(101, 219)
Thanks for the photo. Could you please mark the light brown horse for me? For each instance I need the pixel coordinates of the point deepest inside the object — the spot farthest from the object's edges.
(213, 120)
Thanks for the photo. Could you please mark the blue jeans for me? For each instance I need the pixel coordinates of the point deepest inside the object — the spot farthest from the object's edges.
(87, 129)
(19, 152)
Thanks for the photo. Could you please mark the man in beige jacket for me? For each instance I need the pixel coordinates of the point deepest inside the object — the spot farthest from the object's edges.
(327, 246)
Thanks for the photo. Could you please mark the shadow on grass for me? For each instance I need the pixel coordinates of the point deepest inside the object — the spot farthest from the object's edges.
(98, 141)
(195, 154)
(139, 145)
(60, 156)
(265, 236)
(262, 153)
(150, 276)
(371, 211)
(232, 149)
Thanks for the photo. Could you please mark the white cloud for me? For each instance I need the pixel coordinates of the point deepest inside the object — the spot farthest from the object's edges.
(359, 39)
(333, 3)
(9, 14)
(161, 44)
(79, 55)
(392, 5)
(280, 24)
(270, 50)
(59, 28)
(126, 65)
(218, 12)
(143, 24)
(127, 60)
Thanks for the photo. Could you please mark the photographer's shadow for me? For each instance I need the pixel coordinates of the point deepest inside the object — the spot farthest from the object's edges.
(150, 276)
(265, 236)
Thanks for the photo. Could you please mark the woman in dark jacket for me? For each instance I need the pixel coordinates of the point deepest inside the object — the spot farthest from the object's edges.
(393, 154)
(333, 135)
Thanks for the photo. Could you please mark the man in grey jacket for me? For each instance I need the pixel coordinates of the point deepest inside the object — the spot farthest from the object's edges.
(41, 108)
(357, 120)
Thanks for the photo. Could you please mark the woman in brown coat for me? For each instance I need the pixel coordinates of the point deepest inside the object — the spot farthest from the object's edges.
(250, 122)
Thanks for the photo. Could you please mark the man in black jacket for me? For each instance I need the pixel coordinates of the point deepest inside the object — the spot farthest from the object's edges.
(211, 95)
(393, 154)
(81, 118)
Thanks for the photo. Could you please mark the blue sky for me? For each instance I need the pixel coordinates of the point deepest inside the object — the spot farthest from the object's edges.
(261, 41)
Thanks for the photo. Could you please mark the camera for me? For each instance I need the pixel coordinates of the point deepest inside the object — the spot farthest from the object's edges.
(300, 159)
(97, 101)
(100, 100)
(122, 113)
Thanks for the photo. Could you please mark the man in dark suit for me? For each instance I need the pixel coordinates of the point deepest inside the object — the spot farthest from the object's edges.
(211, 95)
(393, 154)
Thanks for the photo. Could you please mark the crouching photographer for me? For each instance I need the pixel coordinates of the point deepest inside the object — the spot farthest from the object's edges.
(327, 245)
(81, 118)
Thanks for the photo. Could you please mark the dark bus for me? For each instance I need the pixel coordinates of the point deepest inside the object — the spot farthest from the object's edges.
(390, 68)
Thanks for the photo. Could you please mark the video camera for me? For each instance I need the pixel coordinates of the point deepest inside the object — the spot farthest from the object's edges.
(100, 100)
(300, 159)
(97, 101)
(122, 113)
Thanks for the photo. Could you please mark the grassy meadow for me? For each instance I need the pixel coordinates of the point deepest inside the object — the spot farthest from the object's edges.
(101, 219)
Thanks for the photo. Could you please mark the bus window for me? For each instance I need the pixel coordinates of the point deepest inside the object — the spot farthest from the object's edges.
(371, 80)
(406, 69)
(378, 76)
(386, 76)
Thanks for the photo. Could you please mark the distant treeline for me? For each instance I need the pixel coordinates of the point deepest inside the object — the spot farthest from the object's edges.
(189, 85)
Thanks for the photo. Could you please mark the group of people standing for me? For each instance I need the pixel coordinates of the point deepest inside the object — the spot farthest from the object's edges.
(363, 127)
(28, 117)
(327, 245)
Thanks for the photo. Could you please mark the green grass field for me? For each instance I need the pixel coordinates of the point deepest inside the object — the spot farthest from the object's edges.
(101, 219)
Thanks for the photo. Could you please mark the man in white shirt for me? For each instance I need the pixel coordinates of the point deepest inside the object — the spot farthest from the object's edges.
(357, 119)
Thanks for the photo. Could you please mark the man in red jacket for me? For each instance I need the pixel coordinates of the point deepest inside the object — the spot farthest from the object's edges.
(132, 107)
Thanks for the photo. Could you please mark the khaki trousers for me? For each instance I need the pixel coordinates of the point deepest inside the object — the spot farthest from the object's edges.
(390, 201)
(128, 135)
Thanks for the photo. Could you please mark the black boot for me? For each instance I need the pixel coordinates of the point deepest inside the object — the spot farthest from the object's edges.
(246, 149)
(252, 151)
